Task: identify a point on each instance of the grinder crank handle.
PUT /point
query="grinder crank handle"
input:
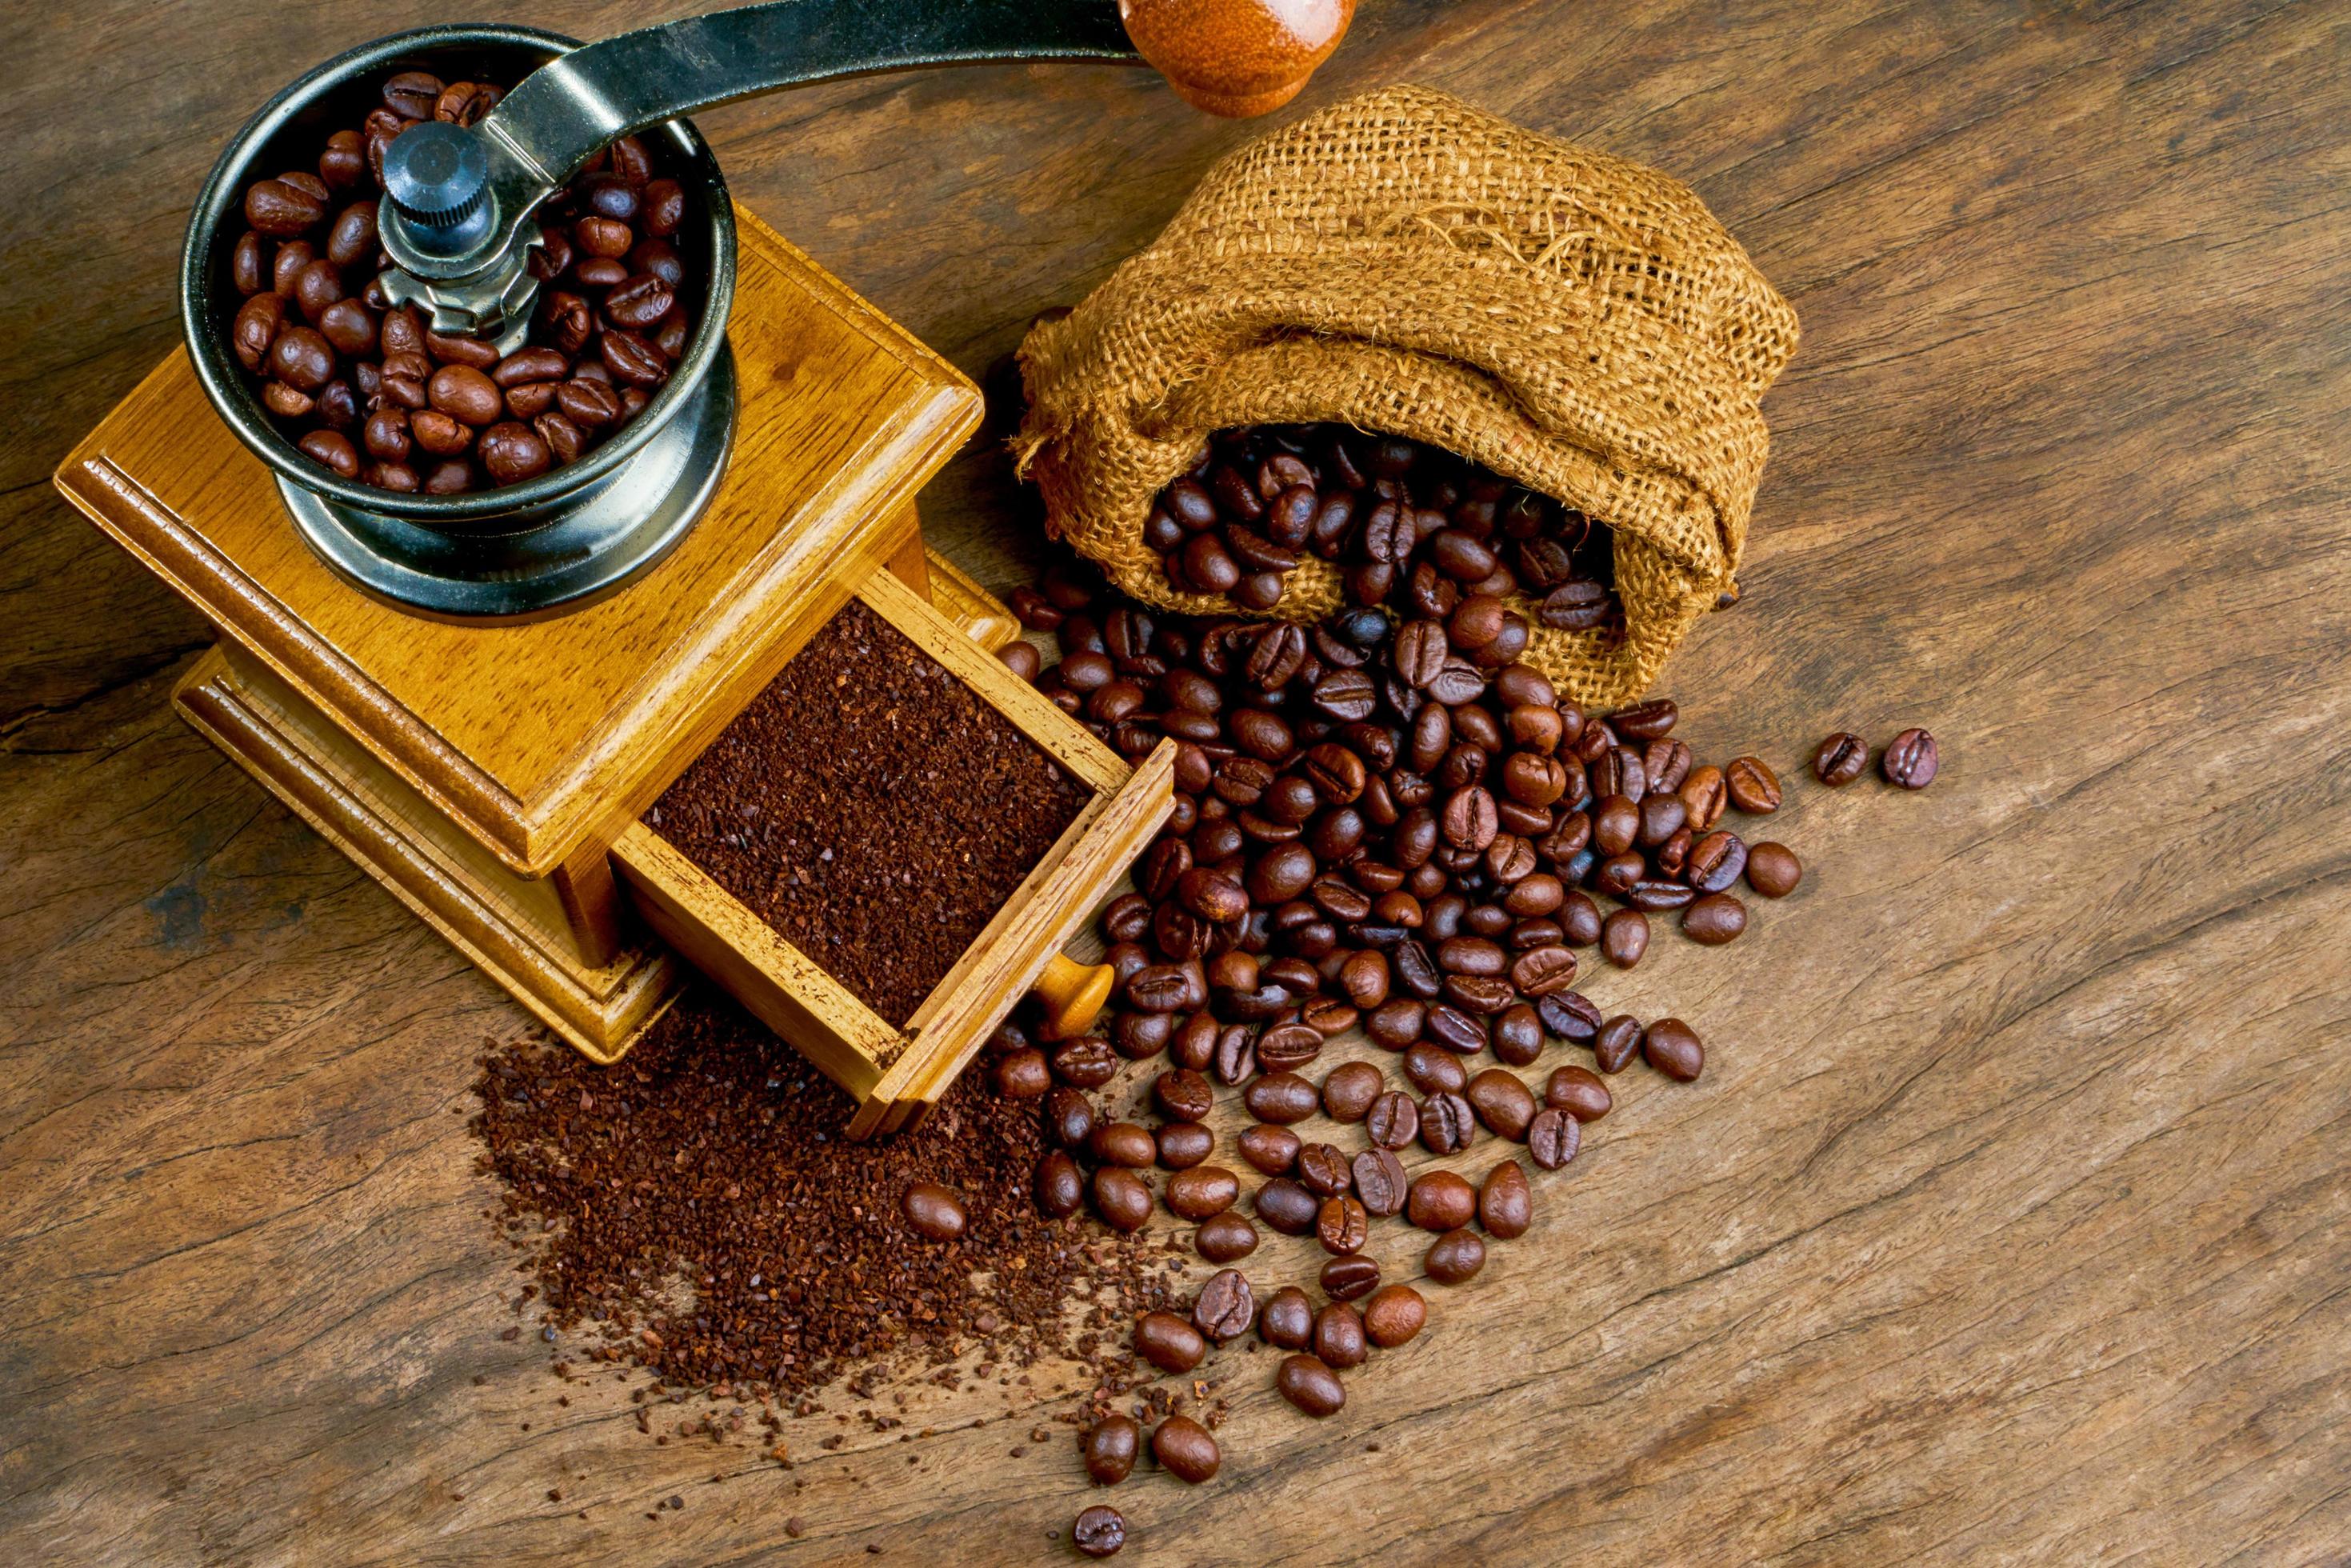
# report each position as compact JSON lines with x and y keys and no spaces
{"x":457,"y":201}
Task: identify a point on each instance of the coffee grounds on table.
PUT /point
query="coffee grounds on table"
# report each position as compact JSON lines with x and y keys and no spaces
{"x":870,"y":808}
{"x":697,"y":1207}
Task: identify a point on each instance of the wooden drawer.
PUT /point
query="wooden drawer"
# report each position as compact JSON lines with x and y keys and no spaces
{"x":893,"y":1073}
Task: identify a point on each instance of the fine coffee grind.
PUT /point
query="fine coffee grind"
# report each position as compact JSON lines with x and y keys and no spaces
{"x":872,"y":808}
{"x":697,"y":1208}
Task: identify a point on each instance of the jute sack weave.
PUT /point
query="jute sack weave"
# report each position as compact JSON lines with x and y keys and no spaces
{"x":1410,"y":265}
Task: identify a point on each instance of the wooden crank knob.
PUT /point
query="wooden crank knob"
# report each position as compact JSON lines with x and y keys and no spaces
{"x":1237,"y":58}
{"x":1073,"y":995}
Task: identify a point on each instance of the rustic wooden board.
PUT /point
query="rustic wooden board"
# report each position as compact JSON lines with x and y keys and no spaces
{"x":2010,"y":1220}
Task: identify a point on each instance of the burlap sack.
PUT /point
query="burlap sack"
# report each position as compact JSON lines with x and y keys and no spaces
{"x":1407,"y":265}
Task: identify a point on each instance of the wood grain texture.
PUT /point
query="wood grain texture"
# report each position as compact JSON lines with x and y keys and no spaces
{"x":2011,"y":1221}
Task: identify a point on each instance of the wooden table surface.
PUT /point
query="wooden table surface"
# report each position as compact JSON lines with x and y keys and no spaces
{"x":2009,"y":1222}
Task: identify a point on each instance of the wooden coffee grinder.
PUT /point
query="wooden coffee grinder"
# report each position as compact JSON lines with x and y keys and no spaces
{"x":476,"y":697}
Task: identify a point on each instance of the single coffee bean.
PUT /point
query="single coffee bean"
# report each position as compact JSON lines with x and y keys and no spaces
{"x":1517,"y":1035}
{"x":1625,"y":937}
{"x":1185,"y":1449}
{"x":936,"y":1212}
{"x":1752,"y":785}
{"x":1286,"y":1048}
{"x":1714,"y":919}
{"x":1617,"y":1041}
{"x":1502,"y":1102}
{"x":1672,"y":1047}
{"x":1202,"y":1191}
{"x":1069,"y":1117}
{"x":1287,"y":1321}
{"x":1539,"y":971}
{"x":1649,"y":720}
{"x":1447,"y":1124}
{"x":1060,"y":1187}
{"x":1184,"y":1145}
{"x":1455,"y":1258}
{"x":1226,"y":1237}
{"x":1287,"y":1207}
{"x":1703,"y":797}
{"x":1715,"y":862}
{"x":1122,"y":1197}
{"x":1433,"y":1070}
{"x":1578,"y":1091}
{"x":1571,"y":1016}
{"x":1440,"y":1200}
{"x":1773,"y":870}
{"x":1379,"y":1182}
{"x":1342,"y":1226}
{"x":1348,"y":1089}
{"x":1310,"y":1385}
{"x":1125,"y":1143}
{"x":1552,"y":1137}
{"x":1226,"y":1307}
{"x":1023,"y":1074}
{"x":1168,"y":1343}
{"x":1111,"y":1445}
{"x":1393,"y":1314}
{"x":1911,"y":759}
{"x":1579,"y":919}
{"x":1282,"y":1098}
{"x":1184,"y":1094}
{"x":1235,"y":1061}
{"x":1339,"y":1335}
{"x":1346,"y":1279}
{"x":1322,"y":1170}
{"x":1086,"y":1062}
{"x":1271,"y":1150}
{"x":1506,"y":1204}
{"x":1098,"y":1532}
{"x":1839,"y":761}
{"x":1393,"y":1121}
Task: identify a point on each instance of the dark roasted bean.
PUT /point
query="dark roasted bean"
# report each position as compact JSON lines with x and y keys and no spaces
{"x":1506,"y":1204}
{"x":1618,"y":1040}
{"x":1226,"y":1307}
{"x":1773,"y":870}
{"x":1552,"y":1137}
{"x":1455,"y":1258}
{"x":1287,"y":1320}
{"x":1840,"y":760}
{"x":1185,"y":1449}
{"x":1111,"y":1446}
{"x":1910,"y":760}
{"x":1226,"y":1237}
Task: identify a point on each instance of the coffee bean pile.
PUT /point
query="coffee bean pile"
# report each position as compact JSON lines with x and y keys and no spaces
{"x":372,"y":393}
{"x":1404,"y":520}
{"x":1371,"y":830}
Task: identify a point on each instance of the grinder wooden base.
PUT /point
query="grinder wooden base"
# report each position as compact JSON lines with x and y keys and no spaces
{"x":483,"y":773}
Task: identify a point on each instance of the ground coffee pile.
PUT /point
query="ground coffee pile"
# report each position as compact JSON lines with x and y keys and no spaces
{"x":872,"y":808}
{"x":698,"y":1203}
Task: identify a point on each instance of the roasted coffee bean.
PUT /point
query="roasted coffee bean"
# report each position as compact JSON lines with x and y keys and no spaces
{"x":1752,"y":785}
{"x":1098,"y":1532}
{"x":1552,"y":1137}
{"x":1666,"y":764}
{"x":1773,"y":870}
{"x":1911,"y":759}
{"x":1379,"y":1182}
{"x":1625,"y":937}
{"x":1539,"y":971}
{"x":1111,"y":1445}
{"x":1506,"y":1204}
{"x":1578,"y":1091}
{"x":1185,"y":1450}
{"x":1578,"y":605}
{"x":1616,"y":825}
{"x":1069,"y":1117}
{"x":1456,"y":1030}
{"x":1715,"y":862}
{"x":1656,"y":893}
{"x":1202,"y":1191}
{"x":1226,"y":1307}
{"x":1393,"y":1315}
{"x":1322,"y":1170}
{"x":1503,"y":1103}
{"x":1517,"y":1035}
{"x":1617,"y":1041}
{"x":1339,"y":1336}
{"x":1060,"y":1187}
{"x":1703,"y":797}
{"x":1184,"y":1094}
{"x":1349,"y":1089}
{"x":1124,"y":1144}
{"x":1310,"y":1385}
{"x":1139,"y":1037}
{"x":1839,"y":761}
{"x":1432,"y":1069}
{"x":1122,"y":1197}
{"x":512,"y":453}
{"x":1714,"y":919}
{"x":1226,"y":1237}
{"x":1287,"y":1207}
{"x":1286,"y":1048}
{"x":1662,"y":817}
{"x":1168,"y":1343}
{"x":1570,"y":1016}
{"x":1579,"y":919}
{"x":1440,"y":1200}
{"x":936,"y":1213}
{"x":1184,"y":1145}
{"x":1672,"y":1047}
{"x":1283,"y":1098}
{"x":1287,"y":1321}
{"x":1023,"y":1074}
{"x":1455,"y":1258}
{"x":1271,"y":1150}
{"x":1447,"y":1124}
{"x":1648,"y":720}
{"x":1342,"y":1225}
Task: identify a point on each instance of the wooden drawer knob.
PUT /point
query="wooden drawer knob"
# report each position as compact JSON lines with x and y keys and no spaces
{"x":1237,"y":58}
{"x":1073,"y":995}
